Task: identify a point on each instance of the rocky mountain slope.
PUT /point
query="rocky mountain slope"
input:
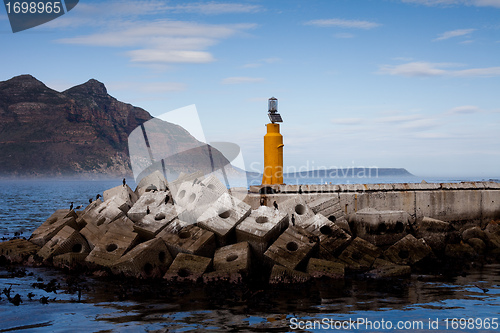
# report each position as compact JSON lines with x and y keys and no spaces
{"x":82,"y":131}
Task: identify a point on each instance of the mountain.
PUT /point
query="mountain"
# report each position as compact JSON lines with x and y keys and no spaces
{"x":82,"y":131}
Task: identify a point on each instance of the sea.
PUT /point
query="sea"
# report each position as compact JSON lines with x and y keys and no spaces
{"x":467,"y":300}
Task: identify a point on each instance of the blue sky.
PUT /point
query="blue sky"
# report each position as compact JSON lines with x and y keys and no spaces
{"x":387,"y":83}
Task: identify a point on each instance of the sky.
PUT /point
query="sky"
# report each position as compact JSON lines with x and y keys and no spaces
{"x":376,"y":83}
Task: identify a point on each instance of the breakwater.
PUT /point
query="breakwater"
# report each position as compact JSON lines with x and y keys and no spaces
{"x":196,"y":230}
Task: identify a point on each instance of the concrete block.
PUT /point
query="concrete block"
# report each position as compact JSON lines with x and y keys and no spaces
{"x":284,"y":275}
{"x":223,"y":276}
{"x":54,"y":224}
{"x":191,"y":239}
{"x":194,"y":199}
{"x":80,"y":221}
{"x":153,"y":200}
{"x":111,"y":246}
{"x":262,"y":227}
{"x":105,"y":213}
{"x":451,"y":205}
{"x":380,"y":227}
{"x":18,"y":250}
{"x":213,"y":183}
{"x":352,"y":188}
{"x":474,"y":232}
{"x":332,"y":238}
{"x":151,"y":224}
{"x":223,"y":216}
{"x":492,"y":231}
{"x":478,"y":245}
{"x":154,"y":180}
{"x":233,"y":258}
{"x":123,"y":192}
{"x":323,"y":268}
{"x":292,"y":249}
{"x":360,"y":255}
{"x":70,"y":260}
{"x":383,"y":269}
{"x":329,"y":206}
{"x":324,"y":188}
{"x":188,"y":267}
{"x":435,"y":232}
{"x":66,"y":240}
{"x":173,"y":227}
{"x":490,"y":204}
{"x":408,"y":251}
{"x":147,"y":260}
{"x":460,"y":251}
{"x":297,"y":207}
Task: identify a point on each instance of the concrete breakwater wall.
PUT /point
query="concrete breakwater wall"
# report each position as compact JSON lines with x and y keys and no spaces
{"x":451,"y":202}
{"x":195,"y":229}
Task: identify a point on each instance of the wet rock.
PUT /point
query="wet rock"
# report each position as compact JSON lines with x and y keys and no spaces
{"x":383,"y":269}
{"x":492,"y":231}
{"x":54,"y":224}
{"x":223,"y":276}
{"x":223,"y":216}
{"x":460,"y":251}
{"x":191,"y":239}
{"x":408,"y":250}
{"x":324,"y":268}
{"x":478,"y":245}
{"x":360,"y":255}
{"x":474,"y":232}
{"x":283,"y":275}
{"x":150,"y":259}
{"x":70,"y":260}
{"x":188,"y":267}
{"x":18,"y":250}
{"x":436,"y":233}
{"x":262,"y":227}
{"x":293,"y":248}
{"x":65,"y":241}
{"x":332,"y":238}
{"x":380,"y":227}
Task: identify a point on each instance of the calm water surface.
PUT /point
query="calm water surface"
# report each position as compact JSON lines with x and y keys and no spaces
{"x":129,"y":306}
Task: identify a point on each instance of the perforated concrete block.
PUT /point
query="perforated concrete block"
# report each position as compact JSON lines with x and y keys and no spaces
{"x":187,"y":267}
{"x":80,"y":221}
{"x":213,"y":183}
{"x":123,"y":192}
{"x":111,"y":246}
{"x":194,"y":201}
{"x":151,"y":224}
{"x":360,"y":255}
{"x":152,"y":200}
{"x":105,"y":213}
{"x":332,"y":238}
{"x":191,"y":239}
{"x":380,"y":227}
{"x":324,"y":268}
{"x":262,"y":227}
{"x":223,"y":216}
{"x":155,"y":180}
{"x":17,"y":250}
{"x":95,"y":230}
{"x":233,"y":258}
{"x":57,"y":221}
{"x":174,"y":227}
{"x":69,"y":260}
{"x":408,"y":250}
{"x":293,"y":248}
{"x":297,"y":207}
{"x":329,"y":206}
{"x":383,"y":269}
{"x":65,"y":241}
{"x":150,"y":259}
{"x":284,"y":275}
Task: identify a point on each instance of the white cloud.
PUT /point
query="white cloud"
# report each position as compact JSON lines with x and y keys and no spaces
{"x":465,"y":109}
{"x":356,"y":24}
{"x":166,"y":56}
{"x":427,"y":69}
{"x":213,"y":8}
{"x":454,"y":33}
{"x":149,"y":87}
{"x":241,"y":79}
{"x":477,"y":3}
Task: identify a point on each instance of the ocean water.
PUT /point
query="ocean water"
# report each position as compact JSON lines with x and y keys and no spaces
{"x":428,"y":303}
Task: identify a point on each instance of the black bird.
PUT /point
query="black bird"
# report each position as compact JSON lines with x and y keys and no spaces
{"x":124,"y":182}
{"x":16,"y":300}
{"x":262,"y":202}
{"x":147,"y":210}
{"x":31,"y":295}
{"x":71,"y":206}
{"x":293,"y":219}
{"x":90,"y":200}
{"x":275,"y":205}
{"x":44,"y":300}
{"x":97,"y":196}
{"x":300,"y":189}
{"x":167,"y":198}
{"x":79,"y":207}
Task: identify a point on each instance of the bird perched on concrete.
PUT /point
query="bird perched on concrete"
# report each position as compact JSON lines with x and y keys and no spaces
{"x":147,"y":210}
{"x":275,"y":205}
{"x":79,"y":207}
{"x":293,"y":219}
{"x":124,"y":182}
{"x":97,"y":196}
{"x":90,"y":200}
{"x":71,"y":206}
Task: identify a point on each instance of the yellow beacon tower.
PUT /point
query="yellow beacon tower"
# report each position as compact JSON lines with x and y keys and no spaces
{"x":273,"y":147}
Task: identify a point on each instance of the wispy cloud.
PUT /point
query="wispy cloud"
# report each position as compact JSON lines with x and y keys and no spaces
{"x":214,"y":8}
{"x":427,"y":69}
{"x":342,"y":23}
{"x":454,"y":33}
{"x":464,"y":109}
{"x":241,"y":79}
{"x":476,"y":3}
